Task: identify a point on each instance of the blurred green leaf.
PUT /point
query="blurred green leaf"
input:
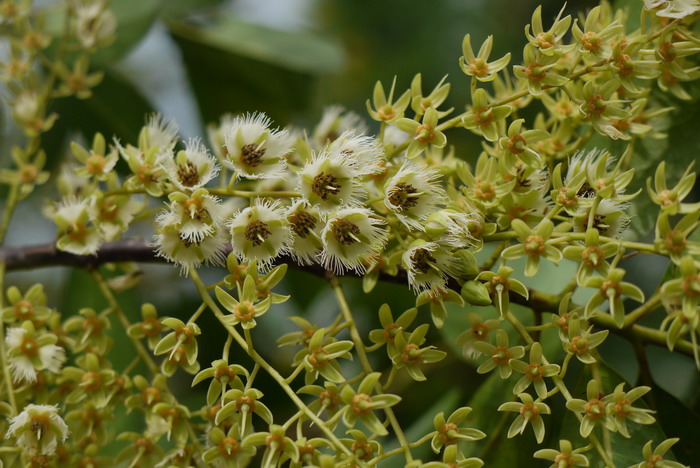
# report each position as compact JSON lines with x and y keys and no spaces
{"x":677,"y":420}
{"x":134,"y":19}
{"x":238,"y":67}
{"x":625,"y":452}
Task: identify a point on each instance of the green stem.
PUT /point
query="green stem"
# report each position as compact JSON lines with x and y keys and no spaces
{"x":365,"y":364}
{"x":260,"y":362}
{"x":3,"y":356}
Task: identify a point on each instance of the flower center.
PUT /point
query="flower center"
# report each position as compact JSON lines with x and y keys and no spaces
{"x":425,"y":133}
{"x":611,"y":285}
{"x":362,"y":449}
{"x":516,"y":144}
{"x":345,"y":232}
{"x":422,"y":260}
{"x":28,"y":173}
{"x":146,"y":174}
{"x":257,"y":232}
{"x":595,"y":409}
{"x":534,"y":246}
{"x":411,"y":354}
{"x":530,"y":412}
{"x":448,"y":433}
{"x":360,"y":404}
{"x":596,"y":104}
{"x":591,"y":41}
{"x":545,"y":40}
{"x":485,"y":191}
{"x":325,"y":185}
{"x":578,"y":345}
{"x":593,"y":257}
{"x":188,"y":174}
{"x":29,"y":346}
{"x":534,"y":371}
{"x":24,"y":310}
{"x":535,"y":72}
{"x":251,"y":155}
{"x":403,"y":196}
{"x":390,"y":332}
{"x":479,"y":67}
{"x":318,"y":357}
{"x":244,"y":311}
{"x":675,"y":241}
{"x":302,"y":223}
{"x":501,"y":355}
{"x":95,"y":164}
{"x":228,"y":447}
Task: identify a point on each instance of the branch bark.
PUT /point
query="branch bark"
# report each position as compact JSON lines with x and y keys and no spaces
{"x":136,"y":250}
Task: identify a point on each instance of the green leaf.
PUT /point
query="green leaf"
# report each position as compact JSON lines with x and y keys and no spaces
{"x":625,"y":452}
{"x":239,"y":67}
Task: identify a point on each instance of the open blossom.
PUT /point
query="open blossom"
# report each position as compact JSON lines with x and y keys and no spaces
{"x":182,"y":247}
{"x":95,"y":24}
{"x":29,"y":352}
{"x":158,"y":133}
{"x":192,"y":167}
{"x":260,"y":232}
{"x":350,"y":236}
{"x":427,"y":265}
{"x":253,"y":150}
{"x":196,"y":215}
{"x":113,"y":213}
{"x":306,"y":225}
{"x":413,"y":193}
{"x":363,"y":150}
{"x":76,"y":234}
{"x":331,"y":181}
{"x":38,"y":428}
{"x":334,"y":122}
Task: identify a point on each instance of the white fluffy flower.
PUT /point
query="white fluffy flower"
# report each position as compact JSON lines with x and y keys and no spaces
{"x":196,"y":215}
{"x":94,"y":23}
{"x":192,"y":167}
{"x":673,"y":8}
{"x":253,"y":150}
{"x":190,"y":248}
{"x":450,"y":227}
{"x":29,"y":353}
{"x":333,"y":123}
{"x":260,"y":232}
{"x":75,"y":232}
{"x":350,"y":237}
{"x":330,"y":182}
{"x":413,"y":193}
{"x":364,"y":151}
{"x":427,"y":265}
{"x":159,"y":132}
{"x":37,"y":429}
{"x":609,"y":219}
{"x":306,"y":225}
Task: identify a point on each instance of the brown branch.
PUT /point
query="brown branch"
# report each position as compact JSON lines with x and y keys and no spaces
{"x":135,"y":250}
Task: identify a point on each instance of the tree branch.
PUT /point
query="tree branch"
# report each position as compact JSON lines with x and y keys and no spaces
{"x":136,"y":250}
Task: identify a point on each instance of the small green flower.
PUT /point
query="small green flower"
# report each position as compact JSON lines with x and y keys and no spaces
{"x":565,"y":193}
{"x":449,"y":432}
{"x":580,"y":343}
{"x":362,"y":448}
{"x":596,"y":34}
{"x":142,"y":448}
{"x":484,"y":187}
{"x":671,"y":200}
{"x":410,"y":355}
{"x":655,"y":458}
{"x":452,"y":457}
{"x":611,"y":288}
{"x":149,"y":327}
{"x":437,"y":299}
{"x":309,"y":454}
{"x":534,"y":371}
{"x":320,"y":357}
{"x":687,"y":286}
{"x":93,"y":378}
{"x":92,"y":328}
{"x":87,"y":422}
{"x":180,"y":340}
{"x":387,"y":110}
{"x":539,"y":71}
{"x":478,"y":65}
{"x":517,"y":145}
{"x":548,"y":42}
{"x":499,"y":284}
{"x":420,"y":103}
{"x":486,"y":118}
{"x":276,"y":443}
{"x":298,"y":337}
{"x":247,"y":309}
{"x":30,"y":306}
{"x":620,"y":409}
{"x":361,"y":405}
{"x":391,"y":328}
{"x":245,"y":403}
{"x":673,"y":242}
{"x":499,"y":355}
{"x":222,"y":374}
{"x":592,"y":256}
{"x":227,"y":449}
{"x":534,"y":243}
{"x":565,"y":457}
{"x":530,"y":411}
{"x":173,"y":418}
{"x":425,"y":133}
{"x":149,"y":393}
{"x":479,"y":332}
{"x":593,"y":409}
{"x":599,"y":108}
{"x":327,"y":399}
